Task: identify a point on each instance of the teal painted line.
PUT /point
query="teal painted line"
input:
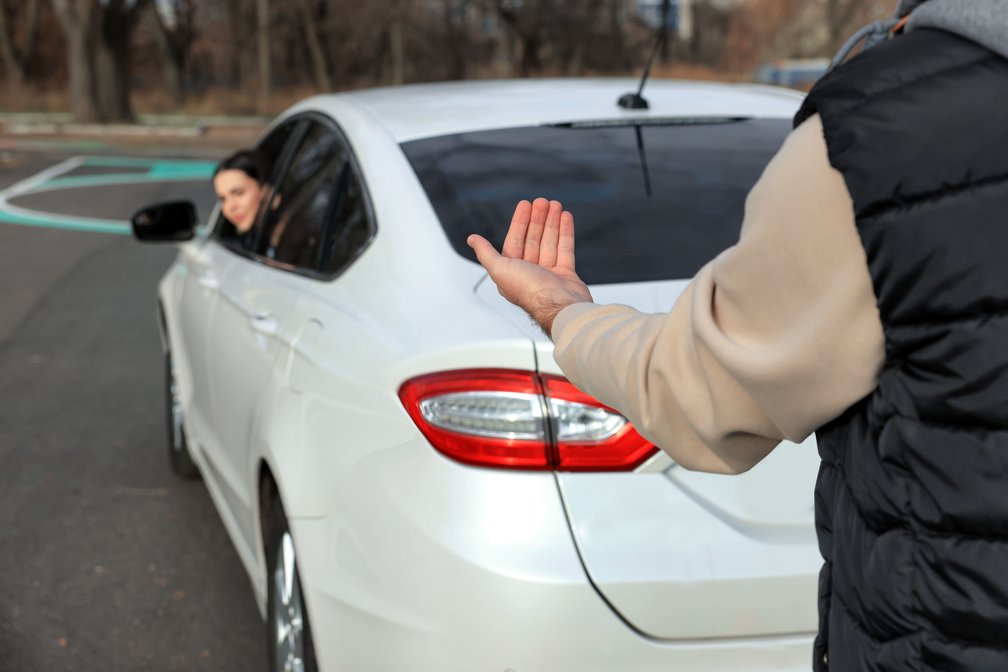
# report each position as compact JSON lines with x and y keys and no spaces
{"x":158,"y":170}
{"x":171,"y":169}
{"x":55,"y":222}
{"x":116,"y":179}
{"x":61,"y":145}
{"x":119,"y":161}
{"x":153,"y":164}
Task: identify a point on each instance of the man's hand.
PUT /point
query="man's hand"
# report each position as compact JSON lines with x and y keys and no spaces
{"x":536,"y":268}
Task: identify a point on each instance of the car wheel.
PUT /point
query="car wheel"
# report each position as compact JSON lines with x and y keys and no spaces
{"x":288,"y":634}
{"x":178,"y":451}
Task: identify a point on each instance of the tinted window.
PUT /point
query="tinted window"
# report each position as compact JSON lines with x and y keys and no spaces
{"x":351,"y":229}
{"x":650,"y":202}
{"x":300,"y":208}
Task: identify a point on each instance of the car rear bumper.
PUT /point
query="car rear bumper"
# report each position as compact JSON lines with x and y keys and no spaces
{"x":455,"y":568}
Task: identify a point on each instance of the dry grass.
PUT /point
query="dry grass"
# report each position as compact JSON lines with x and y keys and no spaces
{"x":32,"y":99}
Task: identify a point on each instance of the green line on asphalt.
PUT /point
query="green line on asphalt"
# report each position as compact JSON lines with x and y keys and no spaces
{"x":153,"y":164}
{"x":108,"y":180}
{"x":60,"y":145}
{"x":158,"y":170}
{"x":55,"y":222}
{"x":118,"y":161}
{"x":191,"y":169}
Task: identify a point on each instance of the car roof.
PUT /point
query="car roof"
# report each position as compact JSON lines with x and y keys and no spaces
{"x":425,"y":110}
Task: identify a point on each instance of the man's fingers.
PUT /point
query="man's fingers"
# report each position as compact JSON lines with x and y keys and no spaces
{"x":565,"y":243}
{"x":514,"y":243}
{"x":533,"y":236}
{"x":551,"y":234}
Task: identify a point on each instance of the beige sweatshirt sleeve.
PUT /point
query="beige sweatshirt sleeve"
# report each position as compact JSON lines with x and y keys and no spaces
{"x":776,"y":336}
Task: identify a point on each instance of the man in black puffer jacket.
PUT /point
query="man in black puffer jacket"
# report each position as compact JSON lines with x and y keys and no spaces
{"x":912,"y":498}
{"x":867,"y":299}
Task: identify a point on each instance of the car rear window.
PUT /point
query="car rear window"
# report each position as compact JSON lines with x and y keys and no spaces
{"x":650,"y":202}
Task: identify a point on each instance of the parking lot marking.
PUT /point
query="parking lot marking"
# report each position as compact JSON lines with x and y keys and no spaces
{"x":10,"y":214}
{"x":52,"y":179}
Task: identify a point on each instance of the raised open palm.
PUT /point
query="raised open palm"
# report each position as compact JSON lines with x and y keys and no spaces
{"x":535,"y":269}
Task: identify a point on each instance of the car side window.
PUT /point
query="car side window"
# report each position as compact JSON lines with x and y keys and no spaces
{"x":301,"y":207}
{"x":351,"y":227}
{"x":272,"y":148}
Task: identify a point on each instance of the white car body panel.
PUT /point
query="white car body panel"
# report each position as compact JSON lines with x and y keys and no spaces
{"x":752,"y":558}
{"x":697,"y":570}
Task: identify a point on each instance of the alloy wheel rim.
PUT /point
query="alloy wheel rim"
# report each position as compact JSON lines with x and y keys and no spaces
{"x":288,"y":612}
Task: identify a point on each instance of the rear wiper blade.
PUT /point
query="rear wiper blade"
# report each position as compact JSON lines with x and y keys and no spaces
{"x":646,"y":121}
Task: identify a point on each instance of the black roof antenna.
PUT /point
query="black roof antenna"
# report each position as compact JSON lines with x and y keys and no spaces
{"x":634,"y":101}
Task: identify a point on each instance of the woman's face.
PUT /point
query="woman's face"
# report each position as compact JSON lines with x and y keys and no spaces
{"x":239,"y":197}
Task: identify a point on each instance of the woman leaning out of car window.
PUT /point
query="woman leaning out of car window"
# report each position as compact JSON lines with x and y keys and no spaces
{"x":240,"y":184}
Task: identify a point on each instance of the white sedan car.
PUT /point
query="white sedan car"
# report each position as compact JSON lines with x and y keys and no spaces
{"x":408,"y":479}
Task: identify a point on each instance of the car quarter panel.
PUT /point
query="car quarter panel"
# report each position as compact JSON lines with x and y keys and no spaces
{"x":332,"y":400}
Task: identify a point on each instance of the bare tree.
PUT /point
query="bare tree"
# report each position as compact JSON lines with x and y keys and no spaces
{"x":843,"y":17}
{"x":309,"y":19}
{"x":451,"y":38}
{"x":525,"y":23}
{"x":263,"y":50}
{"x":397,"y":52}
{"x":457,"y":34}
{"x":173,"y":24}
{"x":98,"y":59}
{"x":79,"y":20}
{"x":16,"y":60}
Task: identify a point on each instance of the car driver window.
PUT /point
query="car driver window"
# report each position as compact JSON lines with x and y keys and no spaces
{"x":301,"y":207}
{"x":351,"y":226}
{"x":242,"y":183}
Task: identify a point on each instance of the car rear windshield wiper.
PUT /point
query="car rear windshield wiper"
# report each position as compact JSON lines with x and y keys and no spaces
{"x":646,"y":121}
{"x":636,"y":124}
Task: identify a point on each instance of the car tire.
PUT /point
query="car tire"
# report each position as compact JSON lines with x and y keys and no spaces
{"x":288,"y":633}
{"x":178,"y":450}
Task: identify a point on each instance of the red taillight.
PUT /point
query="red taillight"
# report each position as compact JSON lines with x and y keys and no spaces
{"x":519,"y":420}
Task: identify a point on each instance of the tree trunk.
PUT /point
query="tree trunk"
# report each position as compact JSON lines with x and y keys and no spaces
{"x":263,"y":46}
{"x":16,"y":60}
{"x":173,"y":56}
{"x":79,"y":21}
{"x":319,"y":69}
{"x":838,"y":18}
{"x":98,"y":43}
{"x":236,"y":50}
{"x":31,"y":34}
{"x":455,"y":31}
{"x":10,"y":60}
{"x":112,"y":73}
{"x":396,"y":50}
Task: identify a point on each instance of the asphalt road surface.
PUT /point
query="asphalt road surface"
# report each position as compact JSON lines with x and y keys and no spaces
{"x":107,"y":562}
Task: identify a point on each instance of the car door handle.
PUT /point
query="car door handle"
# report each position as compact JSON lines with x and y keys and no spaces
{"x":207,"y":280}
{"x":264,"y":323}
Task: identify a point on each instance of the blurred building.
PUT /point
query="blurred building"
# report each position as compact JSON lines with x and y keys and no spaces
{"x":679,"y":20}
{"x":794,"y":73}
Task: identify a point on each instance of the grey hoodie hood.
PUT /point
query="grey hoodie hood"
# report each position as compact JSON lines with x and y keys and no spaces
{"x":983,"y":21}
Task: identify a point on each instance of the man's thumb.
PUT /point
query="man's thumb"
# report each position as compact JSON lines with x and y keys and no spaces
{"x":485,"y":252}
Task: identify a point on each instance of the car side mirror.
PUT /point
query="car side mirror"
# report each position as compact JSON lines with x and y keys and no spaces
{"x":165,"y":222}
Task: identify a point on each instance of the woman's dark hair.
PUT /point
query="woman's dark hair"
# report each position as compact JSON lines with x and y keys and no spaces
{"x":252,"y":162}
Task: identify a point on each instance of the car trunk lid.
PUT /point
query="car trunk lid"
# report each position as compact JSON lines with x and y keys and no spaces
{"x":682,"y":555}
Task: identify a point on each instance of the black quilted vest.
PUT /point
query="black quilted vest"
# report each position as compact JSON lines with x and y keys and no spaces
{"x":912,"y":495}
